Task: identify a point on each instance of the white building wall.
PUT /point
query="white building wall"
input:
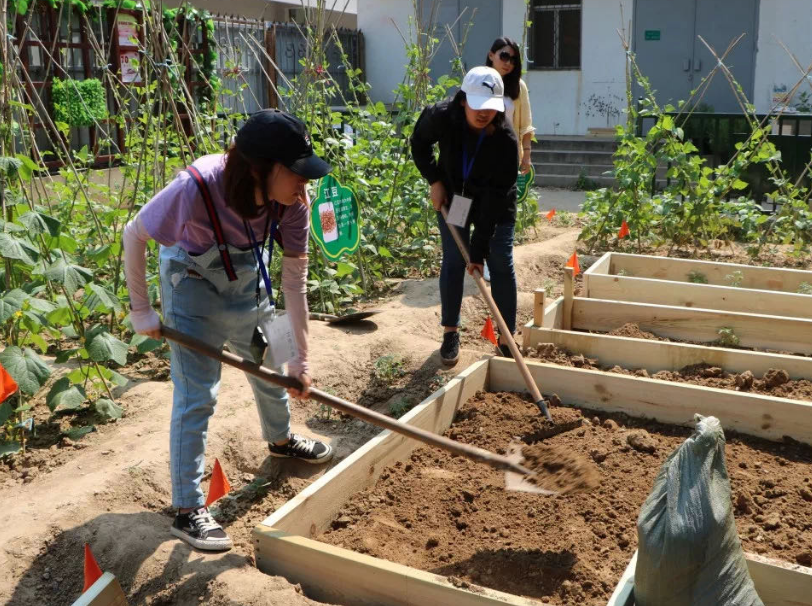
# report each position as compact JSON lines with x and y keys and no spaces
{"x":788,"y":21}
{"x":385,"y":50}
{"x":560,"y":99}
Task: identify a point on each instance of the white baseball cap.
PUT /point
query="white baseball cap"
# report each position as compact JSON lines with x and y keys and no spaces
{"x":484,"y":89}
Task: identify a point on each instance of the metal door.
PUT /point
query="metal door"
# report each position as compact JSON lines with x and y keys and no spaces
{"x":485,"y":17}
{"x":720,"y":22}
{"x":664,"y":46}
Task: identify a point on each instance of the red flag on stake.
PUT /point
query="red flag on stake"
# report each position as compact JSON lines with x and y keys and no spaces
{"x":488,"y":333}
{"x":549,"y":216}
{"x":573,"y":262}
{"x":92,"y":571}
{"x":219,"y":485}
{"x":624,"y":230}
{"x":8,"y":386}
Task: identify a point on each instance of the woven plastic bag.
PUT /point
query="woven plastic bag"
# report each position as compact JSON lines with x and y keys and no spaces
{"x":689,"y":553}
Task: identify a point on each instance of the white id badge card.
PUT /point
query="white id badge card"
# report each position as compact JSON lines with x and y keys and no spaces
{"x":460,"y":207}
{"x":281,"y":342}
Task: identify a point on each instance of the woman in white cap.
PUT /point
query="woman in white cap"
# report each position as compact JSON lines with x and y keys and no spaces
{"x":477,"y":162}
{"x":214,"y":221}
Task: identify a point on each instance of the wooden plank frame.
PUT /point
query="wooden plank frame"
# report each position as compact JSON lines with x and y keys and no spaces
{"x":284,"y":543}
{"x":777,"y":583}
{"x":106,"y":591}
{"x":664,"y":281}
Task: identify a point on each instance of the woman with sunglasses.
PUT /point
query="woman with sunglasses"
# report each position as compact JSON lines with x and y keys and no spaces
{"x":505,"y":58}
{"x":476,"y":167}
{"x":213,"y":222}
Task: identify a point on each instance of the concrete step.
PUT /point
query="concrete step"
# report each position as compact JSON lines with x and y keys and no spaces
{"x":603,"y":158}
{"x":591,"y":170}
{"x":571,"y":181}
{"x":552,"y":143}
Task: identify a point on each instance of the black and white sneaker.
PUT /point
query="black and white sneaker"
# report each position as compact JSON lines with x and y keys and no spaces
{"x":199,"y":529}
{"x":450,"y":349}
{"x":306,"y":449}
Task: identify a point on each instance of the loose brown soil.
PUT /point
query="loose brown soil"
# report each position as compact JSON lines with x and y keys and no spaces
{"x":559,"y":469}
{"x":447,"y":515}
{"x":775,"y":382}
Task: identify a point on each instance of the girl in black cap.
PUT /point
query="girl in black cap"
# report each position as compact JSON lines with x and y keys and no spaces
{"x":217,"y":223}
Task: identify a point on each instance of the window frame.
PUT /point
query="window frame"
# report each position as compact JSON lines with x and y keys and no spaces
{"x":555,"y":9}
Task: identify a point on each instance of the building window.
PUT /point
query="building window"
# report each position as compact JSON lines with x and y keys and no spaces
{"x":555,"y":41}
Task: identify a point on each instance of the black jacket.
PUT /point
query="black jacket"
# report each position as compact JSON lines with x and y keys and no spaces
{"x":492,"y":183}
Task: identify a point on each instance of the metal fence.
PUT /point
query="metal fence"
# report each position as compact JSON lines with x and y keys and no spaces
{"x":241,"y":64}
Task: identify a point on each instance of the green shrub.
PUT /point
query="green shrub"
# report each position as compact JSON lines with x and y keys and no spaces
{"x":79,"y":102}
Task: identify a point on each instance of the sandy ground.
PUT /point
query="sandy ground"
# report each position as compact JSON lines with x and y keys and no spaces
{"x":112,"y":489}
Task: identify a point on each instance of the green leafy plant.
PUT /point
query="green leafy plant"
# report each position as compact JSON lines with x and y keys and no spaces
{"x":735,"y":279}
{"x":727,"y":338}
{"x":697,"y":277}
{"x":565,"y":219}
{"x":79,"y":102}
{"x":399,"y":407}
{"x":388,"y":368}
{"x":584,"y":183}
{"x":549,"y":287}
{"x":805,"y":288}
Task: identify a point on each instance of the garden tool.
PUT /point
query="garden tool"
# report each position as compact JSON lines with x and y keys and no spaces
{"x":346,"y":318}
{"x":500,"y":321}
{"x":521,"y":478}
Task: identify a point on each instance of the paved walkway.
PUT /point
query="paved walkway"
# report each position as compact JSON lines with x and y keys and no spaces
{"x":560,"y":199}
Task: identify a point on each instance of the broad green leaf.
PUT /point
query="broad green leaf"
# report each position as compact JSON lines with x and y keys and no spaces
{"x":39,"y":223}
{"x":384,"y":252}
{"x":101,"y":299}
{"x":77,"y":433}
{"x":14,"y":248}
{"x":6,"y":410}
{"x":108,"y":409}
{"x":25,"y":367}
{"x":65,"y":355}
{"x":63,"y":242}
{"x":41,"y":305}
{"x":739,"y":184}
{"x":28,"y":166}
{"x":60,"y":317}
{"x":64,"y":395}
{"x":37,"y":340}
{"x":72,"y":277}
{"x":102,"y":346}
{"x":99,"y":255}
{"x":145,"y":344}
{"x":9,"y":448}
{"x":9,"y":166}
{"x":344,"y":269}
{"x":11,"y":302}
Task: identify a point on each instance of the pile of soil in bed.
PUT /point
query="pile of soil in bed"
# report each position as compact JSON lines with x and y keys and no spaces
{"x":453,"y":517}
{"x":775,"y":382}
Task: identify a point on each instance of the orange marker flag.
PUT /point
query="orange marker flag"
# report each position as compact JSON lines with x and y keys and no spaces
{"x":624,"y":230}
{"x":573,"y":262}
{"x":8,"y":386}
{"x":487,"y":331}
{"x":549,"y":216}
{"x":219,"y":485}
{"x":92,"y":571}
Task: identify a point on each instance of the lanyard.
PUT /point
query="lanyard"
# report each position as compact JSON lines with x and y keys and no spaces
{"x":258,"y":253}
{"x":467,"y":166}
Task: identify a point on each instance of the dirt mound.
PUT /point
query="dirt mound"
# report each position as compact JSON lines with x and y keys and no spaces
{"x":559,"y":469}
{"x":633,"y":331}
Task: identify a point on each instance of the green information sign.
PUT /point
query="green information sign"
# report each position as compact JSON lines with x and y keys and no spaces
{"x":524,"y":183}
{"x":652,"y":34}
{"x":334,"y":218}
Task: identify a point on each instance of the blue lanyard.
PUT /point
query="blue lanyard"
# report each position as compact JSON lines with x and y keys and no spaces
{"x":467,"y":166}
{"x":258,"y":253}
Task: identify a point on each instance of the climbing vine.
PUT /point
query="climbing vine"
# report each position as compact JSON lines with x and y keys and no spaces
{"x":79,"y":102}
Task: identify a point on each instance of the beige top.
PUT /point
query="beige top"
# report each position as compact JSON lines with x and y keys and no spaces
{"x":522,"y":114}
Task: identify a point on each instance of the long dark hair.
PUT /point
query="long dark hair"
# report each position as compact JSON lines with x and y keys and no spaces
{"x":240,"y":176}
{"x":499,"y":121}
{"x":512,"y":79}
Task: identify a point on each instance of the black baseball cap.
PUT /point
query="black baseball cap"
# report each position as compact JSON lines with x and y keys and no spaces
{"x":271,"y":134}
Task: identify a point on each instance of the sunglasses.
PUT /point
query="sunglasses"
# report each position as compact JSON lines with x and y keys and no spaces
{"x":508,"y":58}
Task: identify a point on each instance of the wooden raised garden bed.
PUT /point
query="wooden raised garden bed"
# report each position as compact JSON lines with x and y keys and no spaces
{"x":700,"y":284}
{"x":285,"y":544}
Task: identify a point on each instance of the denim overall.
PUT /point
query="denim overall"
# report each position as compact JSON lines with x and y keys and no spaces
{"x":199,"y":299}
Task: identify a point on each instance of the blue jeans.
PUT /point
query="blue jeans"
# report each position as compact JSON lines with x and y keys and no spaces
{"x":205,"y":305}
{"x":500,"y":264}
